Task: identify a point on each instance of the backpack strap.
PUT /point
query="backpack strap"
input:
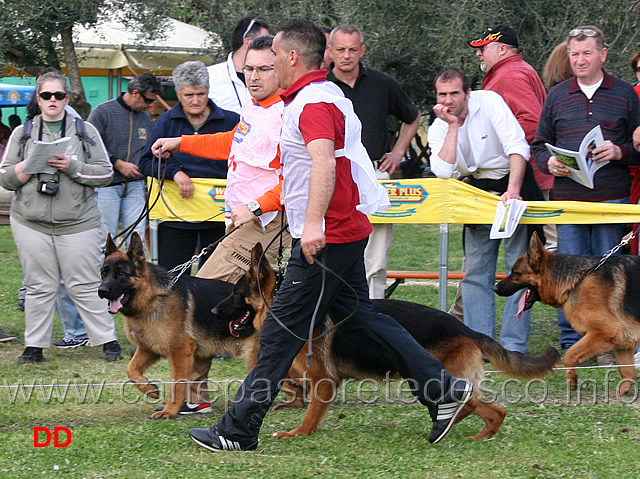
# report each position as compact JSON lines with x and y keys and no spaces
{"x":81,"y":131}
{"x":26,"y":135}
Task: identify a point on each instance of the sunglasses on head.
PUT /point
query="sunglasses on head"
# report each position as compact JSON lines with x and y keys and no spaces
{"x":587,"y":32}
{"x":46,"y":95}
{"x":246,"y":32}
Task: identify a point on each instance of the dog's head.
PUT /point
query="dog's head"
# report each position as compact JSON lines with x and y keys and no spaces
{"x":527,"y":272}
{"x":245,"y":307}
{"x":120,"y":273}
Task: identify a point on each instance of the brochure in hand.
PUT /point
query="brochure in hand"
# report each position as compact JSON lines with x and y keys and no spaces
{"x":580,"y":164}
{"x":43,"y":151}
{"x":507,"y":218}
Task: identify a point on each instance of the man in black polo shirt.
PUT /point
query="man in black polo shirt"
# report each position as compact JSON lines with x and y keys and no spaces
{"x":375,"y":96}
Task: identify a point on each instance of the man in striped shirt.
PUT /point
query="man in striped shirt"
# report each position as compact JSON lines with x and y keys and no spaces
{"x":591,"y":97}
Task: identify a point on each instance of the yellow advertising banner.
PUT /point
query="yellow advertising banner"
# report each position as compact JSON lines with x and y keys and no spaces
{"x":420,"y":200}
{"x":206,"y":204}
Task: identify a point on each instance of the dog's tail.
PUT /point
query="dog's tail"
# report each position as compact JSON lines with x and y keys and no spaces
{"x":515,"y":364}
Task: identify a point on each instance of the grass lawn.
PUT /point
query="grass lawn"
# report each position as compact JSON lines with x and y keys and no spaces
{"x":549,"y":432}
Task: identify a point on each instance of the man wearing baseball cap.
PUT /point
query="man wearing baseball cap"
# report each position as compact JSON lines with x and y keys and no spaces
{"x":519,"y":84}
{"x":510,"y":76}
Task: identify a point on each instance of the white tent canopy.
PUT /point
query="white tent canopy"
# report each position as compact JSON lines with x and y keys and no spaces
{"x":110,"y":45}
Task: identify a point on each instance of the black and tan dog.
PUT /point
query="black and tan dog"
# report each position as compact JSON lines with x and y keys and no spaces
{"x":602,"y":304}
{"x":336,"y":357}
{"x":166,"y":321}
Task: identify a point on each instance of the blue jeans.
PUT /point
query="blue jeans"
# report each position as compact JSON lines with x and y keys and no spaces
{"x":69,"y":316}
{"x":115,"y":208}
{"x":593,"y":240}
{"x":478,"y":298}
{"x":366,"y":330}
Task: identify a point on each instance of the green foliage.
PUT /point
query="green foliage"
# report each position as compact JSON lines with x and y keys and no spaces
{"x":30,"y":31}
{"x":413,"y":39}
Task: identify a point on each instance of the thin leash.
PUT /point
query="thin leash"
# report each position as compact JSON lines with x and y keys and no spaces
{"x":309,"y":340}
{"x":162,"y":197}
{"x":181,"y":268}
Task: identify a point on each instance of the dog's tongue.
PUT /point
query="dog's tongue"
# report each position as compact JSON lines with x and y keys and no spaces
{"x":115,"y":305}
{"x":522,"y":303}
{"x":232,"y":328}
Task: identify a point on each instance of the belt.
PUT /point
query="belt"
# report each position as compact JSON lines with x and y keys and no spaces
{"x":122,"y":182}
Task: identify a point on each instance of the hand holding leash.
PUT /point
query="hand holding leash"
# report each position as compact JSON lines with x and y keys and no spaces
{"x":165,"y":146}
{"x":312,"y":241}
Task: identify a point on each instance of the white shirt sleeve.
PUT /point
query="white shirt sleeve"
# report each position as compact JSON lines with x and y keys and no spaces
{"x":435,"y":136}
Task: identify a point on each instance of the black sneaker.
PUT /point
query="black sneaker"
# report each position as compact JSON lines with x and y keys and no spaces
{"x":31,"y":355}
{"x":112,"y":351}
{"x":445,"y":413}
{"x":191,"y":408}
{"x":209,"y":438}
{"x":71,"y":343}
{"x":4,"y":336}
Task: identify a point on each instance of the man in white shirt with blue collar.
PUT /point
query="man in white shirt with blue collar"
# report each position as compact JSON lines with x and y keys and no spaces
{"x":227,"y":86}
{"x":476,"y":134}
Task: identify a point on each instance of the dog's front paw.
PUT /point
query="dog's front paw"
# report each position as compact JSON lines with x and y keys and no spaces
{"x":149,"y":389}
{"x":164,"y":414}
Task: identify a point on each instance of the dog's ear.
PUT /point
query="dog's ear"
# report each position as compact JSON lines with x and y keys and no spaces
{"x":110,"y":246}
{"x":136,"y":251}
{"x":256,"y":254}
{"x":261,"y":269}
{"x":537,"y":253}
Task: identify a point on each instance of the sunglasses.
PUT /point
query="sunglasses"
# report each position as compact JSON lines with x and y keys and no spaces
{"x":46,"y":95}
{"x":485,"y":46}
{"x":587,"y":32}
{"x":147,"y":100}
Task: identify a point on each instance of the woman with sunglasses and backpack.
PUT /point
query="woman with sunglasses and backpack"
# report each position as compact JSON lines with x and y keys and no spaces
{"x":54,"y":218}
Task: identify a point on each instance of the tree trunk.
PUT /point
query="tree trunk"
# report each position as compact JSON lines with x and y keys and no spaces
{"x":78,"y":98}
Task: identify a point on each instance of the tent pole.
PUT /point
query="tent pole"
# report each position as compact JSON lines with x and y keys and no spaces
{"x":119,"y":82}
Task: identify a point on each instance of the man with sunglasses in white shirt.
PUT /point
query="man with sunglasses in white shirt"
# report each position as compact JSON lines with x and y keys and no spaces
{"x":227,"y":86}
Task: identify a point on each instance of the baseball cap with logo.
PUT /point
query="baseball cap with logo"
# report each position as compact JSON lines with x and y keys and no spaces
{"x":497,"y":33}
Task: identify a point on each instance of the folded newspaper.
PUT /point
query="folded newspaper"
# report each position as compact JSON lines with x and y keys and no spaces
{"x":581,"y":167}
{"x":43,"y":151}
{"x":507,"y":218}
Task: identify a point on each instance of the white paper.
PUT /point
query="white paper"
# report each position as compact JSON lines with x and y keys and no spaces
{"x":507,"y":218}
{"x":42,"y":151}
{"x":581,"y":167}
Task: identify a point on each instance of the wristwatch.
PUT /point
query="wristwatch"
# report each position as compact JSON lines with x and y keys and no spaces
{"x":254,"y":207}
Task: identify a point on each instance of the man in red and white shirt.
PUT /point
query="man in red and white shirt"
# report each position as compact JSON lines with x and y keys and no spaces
{"x":329,"y":187}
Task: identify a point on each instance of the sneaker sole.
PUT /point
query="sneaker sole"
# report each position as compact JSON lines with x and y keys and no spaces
{"x":199,"y":411}
{"x":9,"y":338}
{"x":206,"y":446}
{"x":73,"y":346}
{"x":460,"y":407}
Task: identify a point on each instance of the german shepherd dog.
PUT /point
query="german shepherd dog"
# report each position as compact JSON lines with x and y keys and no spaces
{"x":335,"y":358}
{"x":602,"y":304}
{"x":165,"y":321}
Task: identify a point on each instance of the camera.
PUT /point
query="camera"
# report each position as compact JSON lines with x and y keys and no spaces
{"x":48,"y":187}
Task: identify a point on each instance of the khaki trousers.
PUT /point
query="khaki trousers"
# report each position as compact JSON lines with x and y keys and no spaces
{"x":229,"y":261}
{"x":77,"y":259}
